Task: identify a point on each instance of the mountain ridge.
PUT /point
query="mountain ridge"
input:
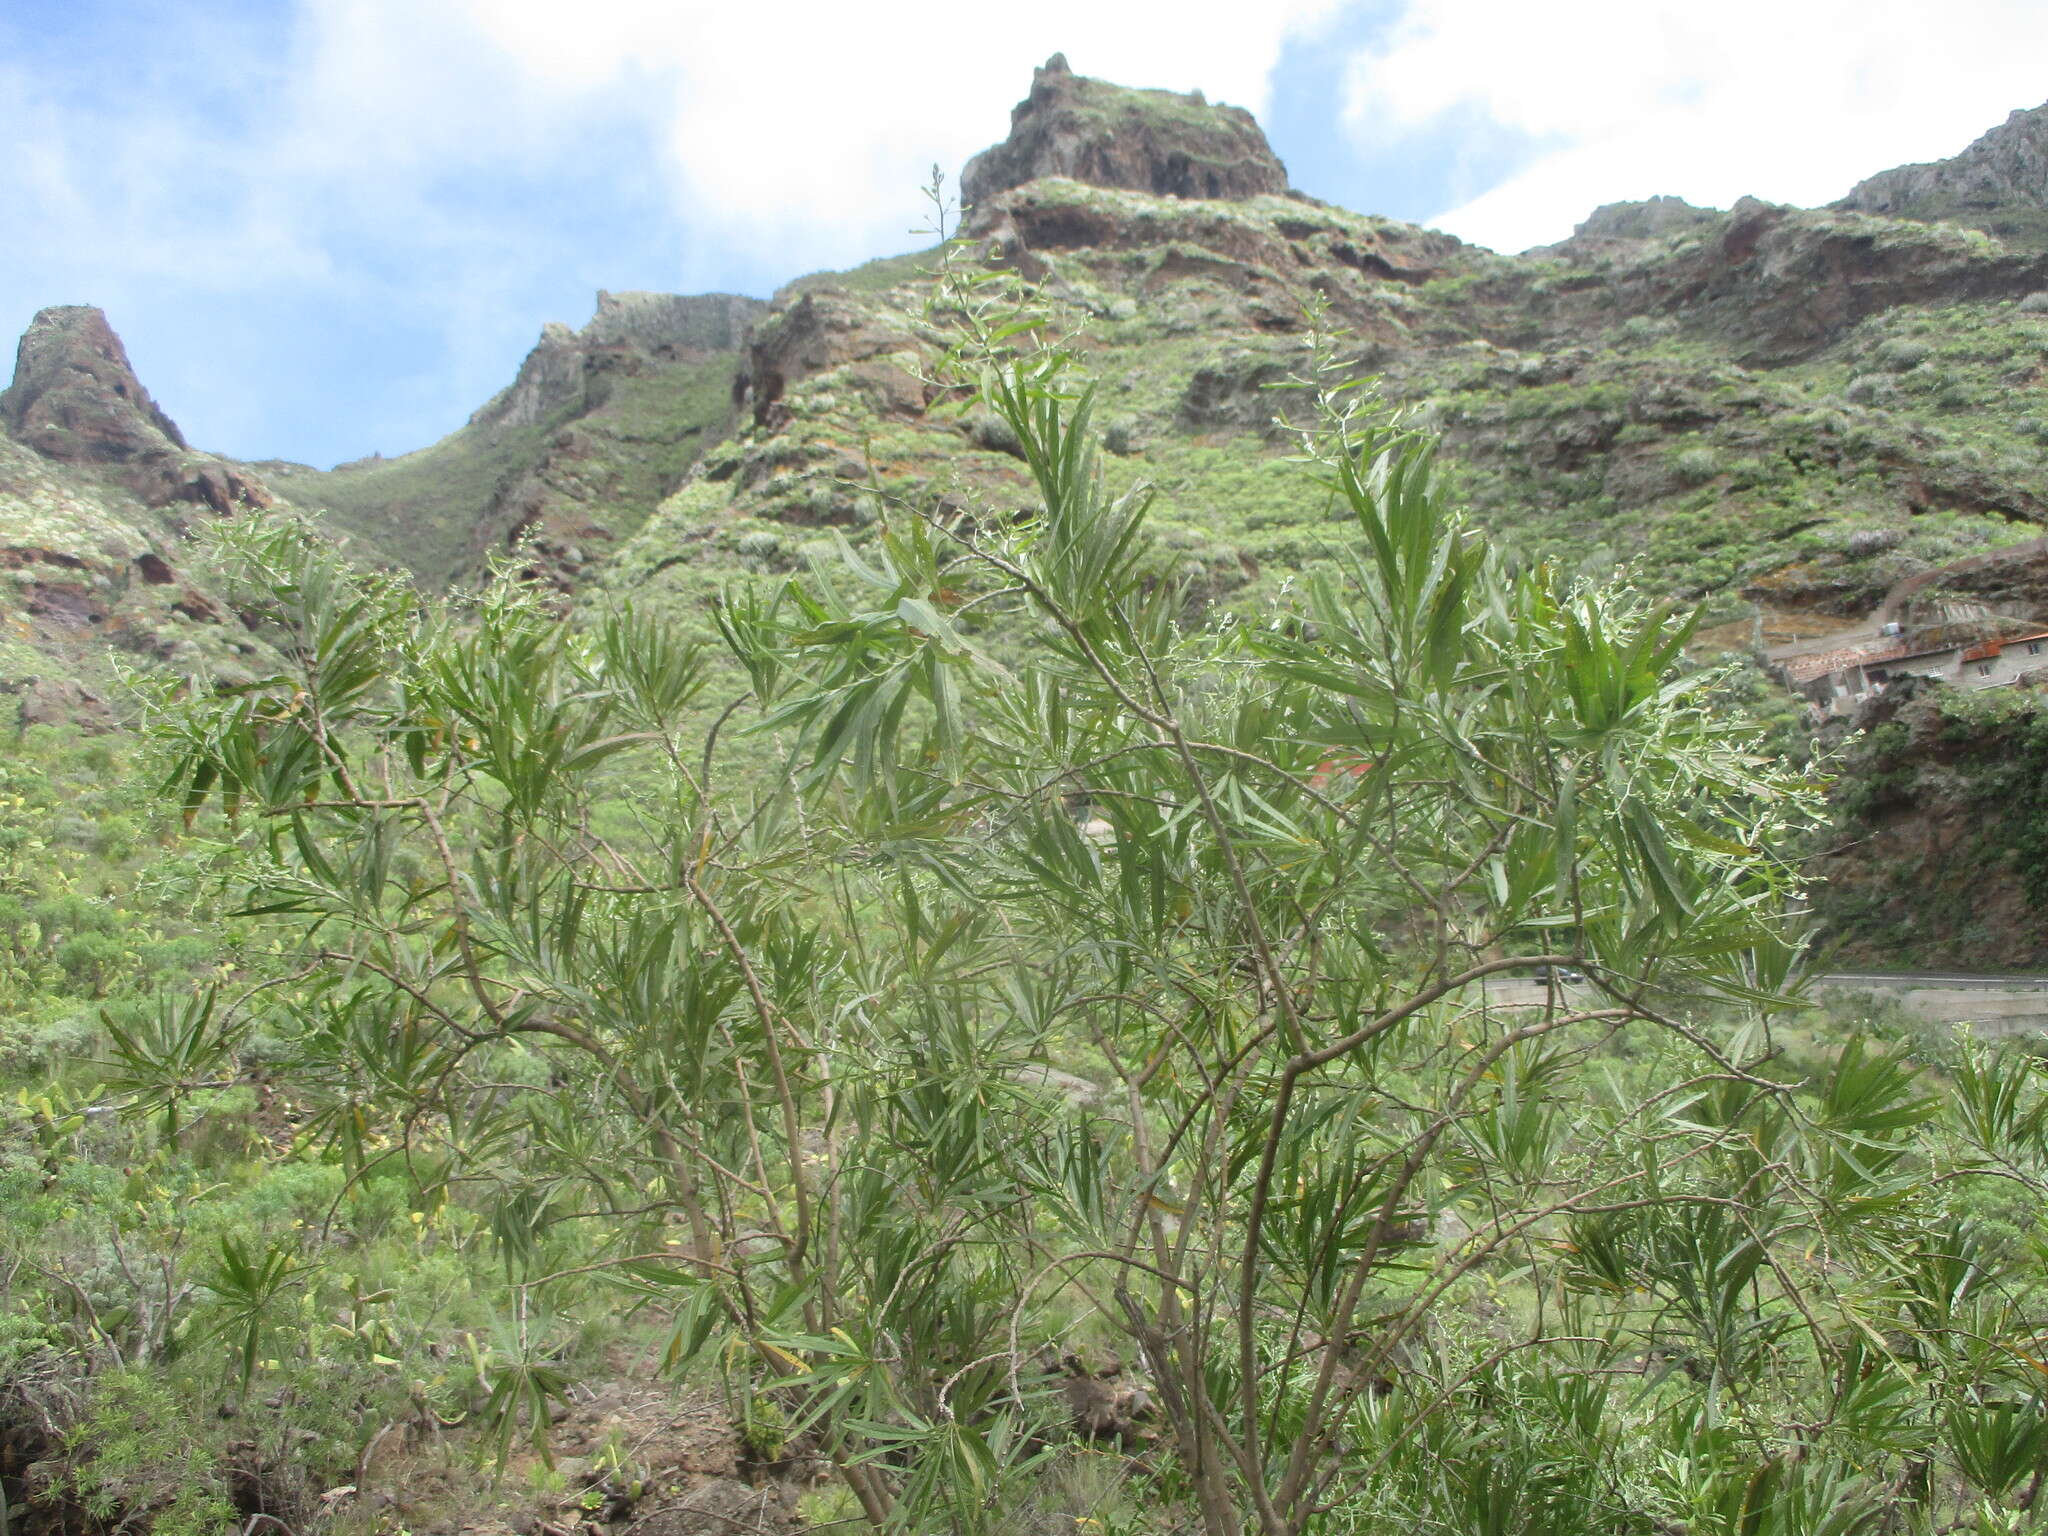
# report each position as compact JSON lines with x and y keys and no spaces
{"x":596,"y":427}
{"x":1781,"y":414}
{"x":1568,"y":380}
{"x":1998,"y":183}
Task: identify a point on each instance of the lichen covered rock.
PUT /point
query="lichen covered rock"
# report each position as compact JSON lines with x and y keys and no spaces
{"x":1107,"y":135}
{"x":1999,"y":183}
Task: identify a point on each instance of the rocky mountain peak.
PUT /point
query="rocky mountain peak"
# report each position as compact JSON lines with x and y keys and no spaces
{"x":1999,"y":183}
{"x":76,"y":399}
{"x":673,"y":324}
{"x":1161,"y":142}
{"x":1653,"y":218}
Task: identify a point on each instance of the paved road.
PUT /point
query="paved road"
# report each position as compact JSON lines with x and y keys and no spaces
{"x":1877,"y":980}
{"x":1886,"y":981}
{"x":1992,"y":1006}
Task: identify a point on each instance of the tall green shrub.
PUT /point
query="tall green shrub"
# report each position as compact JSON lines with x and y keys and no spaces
{"x":1399,"y":1237}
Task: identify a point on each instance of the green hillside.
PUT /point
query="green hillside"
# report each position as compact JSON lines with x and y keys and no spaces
{"x":1092,"y":881}
{"x":1594,"y":408}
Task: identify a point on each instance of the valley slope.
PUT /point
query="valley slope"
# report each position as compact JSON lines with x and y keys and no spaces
{"x":1783,"y":413}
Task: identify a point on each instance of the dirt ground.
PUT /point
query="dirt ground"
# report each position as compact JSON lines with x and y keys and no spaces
{"x":627,"y":1458}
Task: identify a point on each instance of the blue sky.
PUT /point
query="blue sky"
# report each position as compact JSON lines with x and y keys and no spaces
{"x":327,"y":227}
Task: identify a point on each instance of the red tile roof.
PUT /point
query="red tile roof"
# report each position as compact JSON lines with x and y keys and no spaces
{"x":1816,"y":664}
{"x":1804,"y":669}
{"x":1991,"y":648}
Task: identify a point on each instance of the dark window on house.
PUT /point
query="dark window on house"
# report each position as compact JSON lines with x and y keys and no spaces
{"x":1983,"y":669}
{"x":2033,"y":647}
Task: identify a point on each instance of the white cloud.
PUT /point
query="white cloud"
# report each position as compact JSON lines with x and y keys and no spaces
{"x":391,"y":163}
{"x":809,"y":128}
{"x":401,"y":161}
{"x":1789,"y":100}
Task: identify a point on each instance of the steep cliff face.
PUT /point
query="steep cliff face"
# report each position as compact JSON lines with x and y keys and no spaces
{"x":598,"y":426}
{"x":1939,"y":855}
{"x":1111,"y":136}
{"x":1999,"y":184}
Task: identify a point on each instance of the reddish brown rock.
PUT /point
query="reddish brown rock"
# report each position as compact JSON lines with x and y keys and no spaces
{"x":75,"y":398}
{"x":820,"y":330}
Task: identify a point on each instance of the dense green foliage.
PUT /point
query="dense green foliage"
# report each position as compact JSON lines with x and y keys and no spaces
{"x":1940,"y":833}
{"x":90,"y":918}
{"x":1017,"y":964}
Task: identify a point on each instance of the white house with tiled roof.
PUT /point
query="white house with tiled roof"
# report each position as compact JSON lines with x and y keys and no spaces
{"x":1835,"y":679}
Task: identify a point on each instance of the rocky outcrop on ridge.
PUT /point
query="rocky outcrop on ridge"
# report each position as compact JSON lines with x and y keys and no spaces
{"x":1653,"y":218}
{"x":1262,"y":242}
{"x":1159,"y":142}
{"x":569,"y":370}
{"x":1999,"y":183}
{"x":75,"y":397}
{"x":98,"y":494}
{"x":76,"y":400}
{"x":1619,"y":227}
{"x":1779,"y":284}
{"x":597,"y":427}
{"x":820,"y":330}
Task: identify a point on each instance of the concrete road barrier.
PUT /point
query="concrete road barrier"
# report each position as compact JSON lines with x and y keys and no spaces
{"x":1993,"y":1006}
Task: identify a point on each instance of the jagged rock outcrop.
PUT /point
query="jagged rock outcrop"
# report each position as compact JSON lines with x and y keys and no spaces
{"x":630,"y":332}
{"x":551,"y":377}
{"x":1615,"y":227}
{"x":98,"y":490}
{"x":1999,"y":183}
{"x":76,"y":399}
{"x":1653,"y":218}
{"x":1159,"y":142}
{"x":822,"y":330}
